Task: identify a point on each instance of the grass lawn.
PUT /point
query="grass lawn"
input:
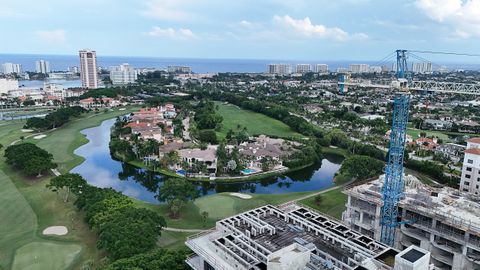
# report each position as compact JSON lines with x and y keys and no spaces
{"x":45,"y":255}
{"x":256,"y":123}
{"x":415,"y":133}
{"x":28,"y":206}
{"x":172,"y":240}
{"x":333,"y":203}
{"x":218,"y":206}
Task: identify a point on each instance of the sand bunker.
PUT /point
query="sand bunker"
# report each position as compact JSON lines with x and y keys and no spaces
{"x":27,"y":130}
{"x":38,"y":137}
{"x":241,"y":196}
{"x":55,"y":230}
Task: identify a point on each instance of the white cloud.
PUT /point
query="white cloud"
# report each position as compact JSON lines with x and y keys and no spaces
{"x":168,"y":9}
{"x":463,"y":17}
{"x":52,"y":36}
{"x":181,"y":33}
{"x":305,"y":28}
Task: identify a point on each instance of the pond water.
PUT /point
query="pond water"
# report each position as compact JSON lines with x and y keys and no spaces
{"x":101,"y":170}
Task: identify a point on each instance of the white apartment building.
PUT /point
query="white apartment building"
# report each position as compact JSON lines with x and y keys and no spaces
{"x":73,"y":69}
{"x":321,"y":68}
{"x":281,"y":69}
{"x":42,"y":66}
{"x":179,"y":69}
{"x":88,"y":68}
{"x":303,"y":68}
{"x":8,"y":85}
{"x":9,"y":68}
{"x":470,"y":181}
{"x":444,"y":221}
{"x":123,"y":74}
{"x":423,"y":67}
{"x":359,"y":68}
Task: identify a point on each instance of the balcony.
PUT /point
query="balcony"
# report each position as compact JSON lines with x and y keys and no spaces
{"x":194,"y":261}
{"x":415,"y":233}
{"x":442,"y":258}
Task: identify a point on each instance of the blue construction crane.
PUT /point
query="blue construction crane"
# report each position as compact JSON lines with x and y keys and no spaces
{"x":393,"y":184}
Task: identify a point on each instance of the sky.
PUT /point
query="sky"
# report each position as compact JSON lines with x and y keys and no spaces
{"x":247,"y":29}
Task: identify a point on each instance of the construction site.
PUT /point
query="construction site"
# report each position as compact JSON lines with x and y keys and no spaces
{"x":444,"y":221}
{"x":294,"y":237}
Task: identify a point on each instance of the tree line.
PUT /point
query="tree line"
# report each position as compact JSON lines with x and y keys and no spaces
{"x":54,"y":119}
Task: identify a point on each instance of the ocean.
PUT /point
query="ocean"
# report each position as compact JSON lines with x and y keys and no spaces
{"x":62,"y":62}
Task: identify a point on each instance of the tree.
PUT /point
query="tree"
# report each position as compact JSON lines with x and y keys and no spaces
{"x":29,"y":158}
{"x":318,"y":199}
{"x":204,"y":215}
{"x":362,"y":167}
{"x":208,"y":136}
{"x":232,"y":165}
{"x":71,"y":182}
{"x":177,"y":190}
{"x":130,"y":231}
{"x":154,"y":260}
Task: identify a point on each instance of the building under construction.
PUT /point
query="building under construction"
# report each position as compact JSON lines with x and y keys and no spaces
{"x":444,"y":221}
{"x":294,"y":238}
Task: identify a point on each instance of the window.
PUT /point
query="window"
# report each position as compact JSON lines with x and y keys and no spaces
{"x":477,"y":186}
{"x":469,"y":169}
{"x":466,"y":183}
{"x":465,"y":189}
{"x":470,"y":161}
{"x":468,"y":176}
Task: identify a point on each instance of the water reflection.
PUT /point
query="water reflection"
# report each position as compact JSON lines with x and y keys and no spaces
{"x":100,"y":169}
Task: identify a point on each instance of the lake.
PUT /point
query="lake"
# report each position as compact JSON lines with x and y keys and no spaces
{"x":101,"y":170}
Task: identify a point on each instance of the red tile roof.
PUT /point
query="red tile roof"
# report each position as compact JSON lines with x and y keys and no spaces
{"x":475,"y":151}
{"x":474,"y":140}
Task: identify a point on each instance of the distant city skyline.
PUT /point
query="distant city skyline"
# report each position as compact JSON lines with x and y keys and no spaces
{"x":272,"y":29}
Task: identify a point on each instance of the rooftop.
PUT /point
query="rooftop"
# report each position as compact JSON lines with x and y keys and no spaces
{"x":268,"y":236}
{"x":475,"y":151}
{"x":474,"y":140}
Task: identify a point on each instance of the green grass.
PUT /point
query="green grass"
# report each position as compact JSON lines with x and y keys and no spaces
{"x":172,"y":240}
{"x":333,"y":203}
{"x":415,"y":133}
{"x":218,"y":206}
{"x":44,"y":255}
{"x":256,"y":123}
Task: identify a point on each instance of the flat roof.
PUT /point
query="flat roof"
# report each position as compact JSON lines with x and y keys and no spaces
{"x":413,"y":255}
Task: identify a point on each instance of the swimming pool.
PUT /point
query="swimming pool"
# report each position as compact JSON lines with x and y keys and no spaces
{"x":248,"y":171}
{"x":181,"y":172}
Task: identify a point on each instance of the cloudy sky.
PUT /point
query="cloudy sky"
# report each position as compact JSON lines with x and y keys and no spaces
{"x":256,"y":29}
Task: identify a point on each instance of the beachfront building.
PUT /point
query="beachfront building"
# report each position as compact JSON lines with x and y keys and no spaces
{"x":123,"y":74}
{"x":88,"y":68}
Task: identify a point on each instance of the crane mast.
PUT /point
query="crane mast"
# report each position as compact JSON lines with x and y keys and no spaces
{"x":393,"y":183}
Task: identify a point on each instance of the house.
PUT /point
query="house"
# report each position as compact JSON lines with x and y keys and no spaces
{"x":207,"y":156}
{"x":259,"y":148}
{"x":146,"y":130}
{"x":98,"y":102}
{"x":452,"y":151}
{"x":437,"y":124}
{"x":427,"y":143}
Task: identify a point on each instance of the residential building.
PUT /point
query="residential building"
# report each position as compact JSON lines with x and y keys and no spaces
{"x":422,"y":67}
{"x":281,"y":69}
{"x":73,"y":69}
{"x":9,"y":68}
{"x":123,"y":74}
{"x":303,"y":68}
{"x":442,"y":220}
{"x":359,"y":68}
{"x":88,"y":68}
{"x":257,"y":149}
{"x":437,"y":124}
{"x":293,"y":237}
{"x":179,"y":69}
{"x":7,"y":85}
{"x":42,"y":66}
{"x":452,"y":151}
{"x":470,"y":180}
{"x":321,"y":68}
{"x":98,"y":102}
{"x":196,"y":155}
